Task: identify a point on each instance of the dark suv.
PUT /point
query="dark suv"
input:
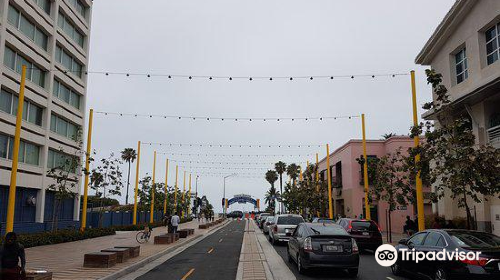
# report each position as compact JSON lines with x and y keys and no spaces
{"x":367,"y":233}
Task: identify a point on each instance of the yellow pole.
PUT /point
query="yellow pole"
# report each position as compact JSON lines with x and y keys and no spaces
{"x":87,"y":171}
{"x":330,"y":205}
{"x":15,"y":155}
{"x":300,"y":173}
{"x":418,"y":180}
{"x":183,"y":193}
{"x":365,"y":170}
{"x":134,"y":220}
{"x":176,"y":187}
{"x":317,"y":179}
{"x":189,"y":196}
{"x":151,"y":211}
{"x":166,"y":191}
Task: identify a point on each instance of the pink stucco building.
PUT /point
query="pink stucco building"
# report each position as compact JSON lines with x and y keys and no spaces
{"x":347,"y":181}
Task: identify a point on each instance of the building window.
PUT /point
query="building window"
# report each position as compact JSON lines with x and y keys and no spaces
{"x":31,"y":112}
{"x":63,"y":127}
{"x":64,"y":93}
{"x":23,"y":24}
{"x":28,"y":153}
{"x":461,"y":68}
{"x":492,"y":44}
{"x":79,"y":6}
{"x":68,"y":61}
{"x":15,"y":61}
{"x":60,"y":160}
{"x":44,"y":4}
{"x":70,"y":29}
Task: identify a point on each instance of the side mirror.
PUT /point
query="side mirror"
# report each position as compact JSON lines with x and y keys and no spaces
{"x":410,"y":245}
{"x":403,"y":241}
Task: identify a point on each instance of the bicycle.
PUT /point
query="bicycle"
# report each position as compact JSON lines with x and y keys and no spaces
{"x":143,"y":236}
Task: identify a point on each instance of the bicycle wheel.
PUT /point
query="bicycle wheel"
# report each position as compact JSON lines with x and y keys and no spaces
{"x":140,"y":237}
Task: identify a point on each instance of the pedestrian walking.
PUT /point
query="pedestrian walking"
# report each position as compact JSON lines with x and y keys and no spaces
{"x":10,"y":255}
{"x":166,"y":222}
{"x":175,"y":220}
{"x":409,"y":228}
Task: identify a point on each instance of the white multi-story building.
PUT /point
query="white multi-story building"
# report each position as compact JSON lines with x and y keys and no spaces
{"x":465,"y":49}
{"x":51,"y":37}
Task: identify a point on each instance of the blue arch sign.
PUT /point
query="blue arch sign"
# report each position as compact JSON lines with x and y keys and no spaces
{"x":242,"y":199}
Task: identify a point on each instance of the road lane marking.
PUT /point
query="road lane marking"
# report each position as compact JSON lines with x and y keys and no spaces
{"x":389,"y":278}
{"x":220,"y":240}
{"x":210,"y":251}
{"x":187,"y":274}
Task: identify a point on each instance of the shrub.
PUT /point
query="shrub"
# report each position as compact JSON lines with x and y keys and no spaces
{"x":61,"y":236}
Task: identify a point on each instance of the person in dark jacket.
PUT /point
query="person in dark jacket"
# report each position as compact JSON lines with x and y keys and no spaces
{"x":10,"y":255}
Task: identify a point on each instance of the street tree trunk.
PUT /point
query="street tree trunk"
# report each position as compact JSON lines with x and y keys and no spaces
{"x":128,"y":183}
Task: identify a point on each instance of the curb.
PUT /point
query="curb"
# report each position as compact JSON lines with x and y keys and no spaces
{"x":120,"y":273}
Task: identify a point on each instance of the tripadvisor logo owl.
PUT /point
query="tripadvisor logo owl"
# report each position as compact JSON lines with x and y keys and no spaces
{"x":386,"y":255}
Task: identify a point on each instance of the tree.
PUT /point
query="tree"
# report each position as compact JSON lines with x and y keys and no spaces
{"x":392,"y":183}
{"x":66,"y":180}
{"x":106,"y":178}
{"x":293,"y":171}
{"x":450,"y":159}
{"x":271,"y":177}
{"x":280,"y":168}
{"x":128,"y":155}
{"x":388,"y":135}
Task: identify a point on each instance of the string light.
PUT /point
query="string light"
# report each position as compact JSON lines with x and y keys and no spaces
{"x":224,"y":168}
{"x":208,"y":118}
{"x":226,"y":163}
{"x":233,"y":155}
{"x":233,"y":145}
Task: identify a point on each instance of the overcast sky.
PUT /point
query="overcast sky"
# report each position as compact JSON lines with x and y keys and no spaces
{"x":252,"y":38}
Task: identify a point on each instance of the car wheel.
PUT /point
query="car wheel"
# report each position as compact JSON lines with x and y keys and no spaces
{"x":353,"y":272}
{"x":440,"y":274}
{"x":300,"y":268}
{"x":396,"y":269}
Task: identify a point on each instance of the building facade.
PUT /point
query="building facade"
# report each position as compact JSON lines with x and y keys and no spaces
{"x":50,"y":37}
{"x":465,"y":49}
{"x":348,"y":185}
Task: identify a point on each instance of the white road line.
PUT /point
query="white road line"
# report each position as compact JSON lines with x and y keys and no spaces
{"x":390,"y":278}
{"x":220,"y":240}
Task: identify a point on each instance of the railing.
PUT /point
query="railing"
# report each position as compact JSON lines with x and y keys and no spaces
{"x":494,"y":136}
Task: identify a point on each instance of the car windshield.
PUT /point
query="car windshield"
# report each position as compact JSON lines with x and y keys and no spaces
{"x":270,"y":219}
{"x":290,"y":220}
{"x":363,"y":225}
{"x":329,"y":230}
{"x":475,"y":240}
{"x":325,"y":221}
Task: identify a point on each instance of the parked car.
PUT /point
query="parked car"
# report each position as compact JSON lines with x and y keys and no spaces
{"x":268,"y":222}
{"x":323,"y":220}
{"x":452,"y":240}
{"x":262,"y":218}
{"x":367,"y":233}
{"x":283,"y":227}
{"x":323,"y":245}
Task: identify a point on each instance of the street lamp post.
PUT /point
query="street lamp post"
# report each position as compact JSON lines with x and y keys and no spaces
{"x":196,"y":196}
{"x":224,"y":194}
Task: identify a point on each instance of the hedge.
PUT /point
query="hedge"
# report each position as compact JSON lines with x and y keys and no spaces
{"x":61,"y":236}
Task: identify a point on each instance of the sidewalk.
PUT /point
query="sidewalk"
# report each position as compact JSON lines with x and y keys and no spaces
{"x":65,"y":260}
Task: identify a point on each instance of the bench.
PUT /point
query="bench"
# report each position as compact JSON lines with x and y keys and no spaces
{"x":164,"y":239}
{"x":38,"y":275}
{"x":183,"y":233}
{"x":122,"y":254}
{"x":133,"y":251}
{"x":99,"y":259}
{"x":204,"y":226}
{"x":190,"y":231}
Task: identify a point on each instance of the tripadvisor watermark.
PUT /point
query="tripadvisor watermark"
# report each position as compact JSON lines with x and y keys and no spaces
{"x":386,"y":255}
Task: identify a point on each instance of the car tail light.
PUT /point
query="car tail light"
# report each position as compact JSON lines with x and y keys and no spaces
{"x":349,"y":228}
{"x":355,"y":248}
{"x":480,"y":261}
{"x":275,"y":229}
{"x":308,"y":247}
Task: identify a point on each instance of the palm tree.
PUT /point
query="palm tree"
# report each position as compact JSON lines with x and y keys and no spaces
{"x":271,"y":177}
{"x":293,"y":171}
{"x":280,"y":168}
{"x":128,"y":155}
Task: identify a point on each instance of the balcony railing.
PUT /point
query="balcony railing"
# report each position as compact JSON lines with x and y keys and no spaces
{"x":494,"y":136}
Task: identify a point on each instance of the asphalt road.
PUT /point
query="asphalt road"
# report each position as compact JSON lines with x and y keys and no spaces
{"x":215,"y":257}
{"x":369,"y":269}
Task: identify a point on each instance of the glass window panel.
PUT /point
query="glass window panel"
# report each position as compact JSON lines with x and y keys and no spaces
{"x":15,"y":102}
{"x":27,"y":28}
{"x":60,"y":21}
{"x":45,"y":5}
{"x":459,"y":68}
{"x":4,"y":140}
{"x":5,"y":101}
{"x":55,"y":88}
{"x":41,"y":39}
{"x":72,"y":131}
{"x":13,"y":16}
{"x":53,"y":123}
{"x":64,"y":93}
{"x":460,"y":78}
{"x":58,"y":54}
{"x":9,"y":58}
{"x":77,"y":68}
{"x":22,"y":151}
{"x":35,"y":115}
{"x":32,"y":154}
{"x":79,"y":38}
{"x":25,"y":109}
{"x":68,"y":28}
{"x":491,"y":46}
{"x":19,"y":64}
{"x":492,"y":58}
{"x":50,"y":159}
{"x":75,"y":100}
{"x":62,"y":127}
{"x":491,"y":33}
{"x":66,"y":60}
